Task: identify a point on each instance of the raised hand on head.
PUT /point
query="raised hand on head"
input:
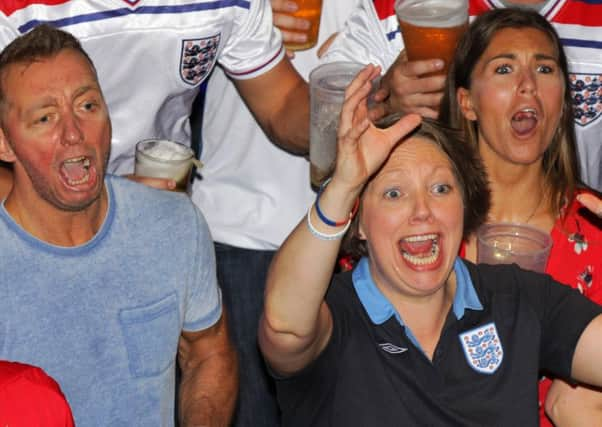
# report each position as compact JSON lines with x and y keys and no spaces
{"x":362,"y":147}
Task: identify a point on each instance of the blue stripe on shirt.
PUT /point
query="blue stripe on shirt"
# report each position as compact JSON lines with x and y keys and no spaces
{"x":143,"y":10}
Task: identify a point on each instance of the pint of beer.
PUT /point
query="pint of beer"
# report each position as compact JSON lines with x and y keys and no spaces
{"x":431,"y":28}
{"x":310,"y":10}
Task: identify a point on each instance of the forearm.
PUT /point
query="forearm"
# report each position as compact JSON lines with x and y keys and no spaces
{"x":302,"y":269}
{"x":573,"y":406}
{"x":289,"y":127}
{"x":207,"y":393}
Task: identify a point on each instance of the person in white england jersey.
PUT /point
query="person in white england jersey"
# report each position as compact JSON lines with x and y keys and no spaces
{"x":253,"y":194}
{"x":372,"y":36}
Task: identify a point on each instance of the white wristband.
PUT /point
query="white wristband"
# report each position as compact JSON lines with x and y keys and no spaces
{"x":324,"y":236}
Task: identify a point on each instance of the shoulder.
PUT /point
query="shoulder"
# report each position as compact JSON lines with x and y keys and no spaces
{"x":155,"y":208}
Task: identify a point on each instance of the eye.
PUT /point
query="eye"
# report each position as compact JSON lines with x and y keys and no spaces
{"x":503,"y":69}
{"x":441,"y":189}
{"x":43,"y":119}
{"x":90,"y":105}
{"x":392,"y":193}
{"x":545,"y":69}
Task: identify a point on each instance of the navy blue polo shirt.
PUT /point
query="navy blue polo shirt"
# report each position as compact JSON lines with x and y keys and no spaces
{"x":505,"y":325}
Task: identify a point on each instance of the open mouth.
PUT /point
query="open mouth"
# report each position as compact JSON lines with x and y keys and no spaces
{"x":420,"y":250}
{"x":524,"y":121}
{"x":76,"y":171}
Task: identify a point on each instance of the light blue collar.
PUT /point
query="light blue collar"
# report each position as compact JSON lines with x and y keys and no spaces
{"x":380,"y":309}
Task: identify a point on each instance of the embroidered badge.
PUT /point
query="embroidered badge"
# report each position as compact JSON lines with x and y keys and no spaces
{"x":198,"y":58}
{"x":483,"y":348}
{"x":586,"y":90}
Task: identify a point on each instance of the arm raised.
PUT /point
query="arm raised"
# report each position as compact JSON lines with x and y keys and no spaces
{"x":296,"y":324}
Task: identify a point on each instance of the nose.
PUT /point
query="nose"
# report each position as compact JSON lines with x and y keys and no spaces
{"x":527,"y":83}
{"x":72,"y":133}
{"x":421,"y":209}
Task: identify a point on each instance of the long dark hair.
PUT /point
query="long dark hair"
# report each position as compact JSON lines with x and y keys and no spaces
{"x":560,"y":165}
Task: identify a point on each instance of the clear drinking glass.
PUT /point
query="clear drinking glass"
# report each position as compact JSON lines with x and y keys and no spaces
{"x":507,"y":243}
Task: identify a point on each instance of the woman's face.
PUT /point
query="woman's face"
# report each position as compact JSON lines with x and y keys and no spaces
{"x":412,"y":220}
{"x":516,"y":96}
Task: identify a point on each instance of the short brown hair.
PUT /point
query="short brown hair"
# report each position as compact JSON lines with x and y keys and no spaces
{"x":468,"y":170}
{"x":44,"y":41}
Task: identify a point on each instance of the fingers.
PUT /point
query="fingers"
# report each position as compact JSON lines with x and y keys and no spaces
{"x":293,"y":29}
{"x":403,"y":127}
{"x":159,"y":183}
{"x":284,"y":6}
{"x":591,"y":202}
{"x":354,"y":108}
{"x":420,"y":68}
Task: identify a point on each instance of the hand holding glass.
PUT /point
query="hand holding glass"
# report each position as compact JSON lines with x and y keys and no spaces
{"x":432,"y":28}
{"x":161,"y":158}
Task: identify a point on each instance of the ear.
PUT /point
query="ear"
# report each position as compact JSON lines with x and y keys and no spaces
{"x":6,"y":151}
{"x":465,"y":103}
{"x":360,"y":231}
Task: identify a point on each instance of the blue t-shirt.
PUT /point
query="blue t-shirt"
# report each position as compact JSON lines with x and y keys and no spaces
{"x":104,"y":318}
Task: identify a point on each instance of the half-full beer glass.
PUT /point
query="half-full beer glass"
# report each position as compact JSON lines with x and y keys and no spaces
{"x":431,"y":28}
{"x":310,"y":10}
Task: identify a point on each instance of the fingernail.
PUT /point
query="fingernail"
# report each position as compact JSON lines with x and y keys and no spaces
{"x":438,"y":63}
{"x":290,"y":6}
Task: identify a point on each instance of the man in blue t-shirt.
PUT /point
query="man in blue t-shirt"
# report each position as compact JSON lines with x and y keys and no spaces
{"x":105,"y":282}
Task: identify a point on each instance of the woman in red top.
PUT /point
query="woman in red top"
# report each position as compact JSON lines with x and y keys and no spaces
{"x":508,"y":89}
{"x":30,"y":398}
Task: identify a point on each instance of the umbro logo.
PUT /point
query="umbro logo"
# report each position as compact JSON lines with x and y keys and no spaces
{"x":391,"y":348}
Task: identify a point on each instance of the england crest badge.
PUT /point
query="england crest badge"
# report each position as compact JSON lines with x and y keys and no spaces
{"x":483,"y":348}
{"x":198,"y":58}
{"x":586,"y":90}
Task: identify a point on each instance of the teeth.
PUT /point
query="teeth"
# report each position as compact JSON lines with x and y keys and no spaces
{"x":423,"y":260}
{"x":421,"y":238}
{"x":529,"y":111}
{"x":79,"y":181}
{"x":77,"y":159}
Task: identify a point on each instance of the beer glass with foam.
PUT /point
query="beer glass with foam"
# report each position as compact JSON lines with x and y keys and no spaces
{"x":310,"y":10}
{"x":161,"y":158}
{"x":431,"y":28}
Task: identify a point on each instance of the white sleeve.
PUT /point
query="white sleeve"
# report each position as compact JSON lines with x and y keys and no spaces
{"x":366,"y":39}
{"x":255,"y":45}
{"x":7,"y":32}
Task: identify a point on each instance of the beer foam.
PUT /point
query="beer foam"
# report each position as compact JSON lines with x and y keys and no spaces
{"x":433,"y":13}
{"x":166,"y":150}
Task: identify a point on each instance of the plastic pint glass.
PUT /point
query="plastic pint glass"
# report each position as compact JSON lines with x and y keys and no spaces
{"x":431,"y":28}
{"x":310,"y":10}
{"x":327,"y":84}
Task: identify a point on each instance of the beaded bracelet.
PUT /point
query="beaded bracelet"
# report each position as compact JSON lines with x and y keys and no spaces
{"x":324,"y":236}
{"x":328,"y":221}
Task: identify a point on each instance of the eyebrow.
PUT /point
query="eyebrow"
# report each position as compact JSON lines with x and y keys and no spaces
{"x":538,"y":56}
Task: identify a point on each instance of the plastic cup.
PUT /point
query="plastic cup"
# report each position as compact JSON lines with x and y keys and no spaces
{"x":310,"y":10}
{"x":327,"y":84}
{"x":432,"y":28}
{"x":507,"y":243}
{"x":161,"y":158}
